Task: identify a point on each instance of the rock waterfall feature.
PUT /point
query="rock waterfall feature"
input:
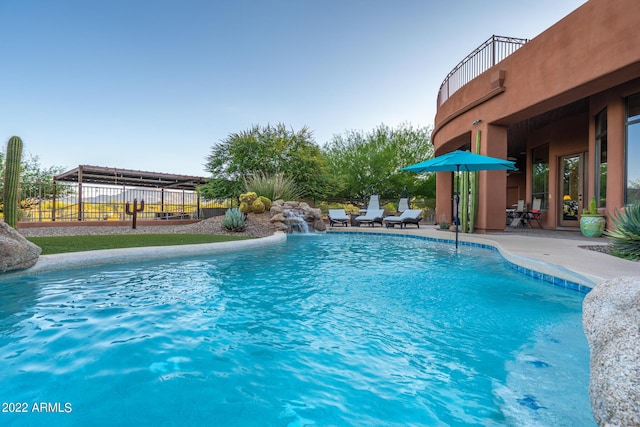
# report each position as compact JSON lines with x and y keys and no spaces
{"x":296,"y":217}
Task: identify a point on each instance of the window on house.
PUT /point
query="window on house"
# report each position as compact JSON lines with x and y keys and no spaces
{"x":632,"y":182}
{"x":540,"y":174}
{"x":601,"y":158}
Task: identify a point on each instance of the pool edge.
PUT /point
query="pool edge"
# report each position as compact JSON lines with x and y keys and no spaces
{"x":116,"y":256}
{"x":547,"y":272}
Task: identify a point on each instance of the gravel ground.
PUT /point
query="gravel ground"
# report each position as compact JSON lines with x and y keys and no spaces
{"x":605,"y":249}
{"x":257,"y":226}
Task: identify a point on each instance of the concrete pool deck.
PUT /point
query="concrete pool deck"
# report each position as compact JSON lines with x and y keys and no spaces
{"x":555,"y":253}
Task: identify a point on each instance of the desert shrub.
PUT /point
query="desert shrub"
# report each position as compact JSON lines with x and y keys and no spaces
{"x":234,"y":220}
{"x":348,"y":207}
{"x":273,"y":187}
{"x":625,"y":239}
{"x":390,"y":207}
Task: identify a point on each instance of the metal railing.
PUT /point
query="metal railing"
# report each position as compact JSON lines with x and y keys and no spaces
{"x":108,"y":203}
{"x":488,"y":54}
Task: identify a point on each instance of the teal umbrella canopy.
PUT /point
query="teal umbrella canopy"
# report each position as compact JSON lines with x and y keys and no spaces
{"x":465,"y":161}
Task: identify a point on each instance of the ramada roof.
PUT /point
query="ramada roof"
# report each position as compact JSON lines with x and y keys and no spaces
{"x":85,"y":174}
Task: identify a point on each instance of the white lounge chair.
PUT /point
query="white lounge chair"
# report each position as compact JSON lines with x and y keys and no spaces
{"x":371,"y":217}
{"x":338,"y":216}
{"x":403,"y":204}
{"x":410,"y":216}
{"x":403,"y":201}
{"x":374,"y":202}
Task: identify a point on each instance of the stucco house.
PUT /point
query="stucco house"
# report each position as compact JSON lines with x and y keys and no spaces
{"x":565,"y":106}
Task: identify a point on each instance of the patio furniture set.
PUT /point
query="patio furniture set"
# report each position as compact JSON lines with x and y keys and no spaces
{"x":374,"y":215}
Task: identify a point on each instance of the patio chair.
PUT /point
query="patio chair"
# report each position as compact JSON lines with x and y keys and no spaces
{"x":535,"y":213}
{"x":410,"y":216}
{"x":372,"y":217}
{"x":338,"y":216}
{"x":519,"y":215}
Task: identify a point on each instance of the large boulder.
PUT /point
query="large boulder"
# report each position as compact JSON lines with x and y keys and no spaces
{"x":319,"y":225}
{"x":611,"y":320}
{"x":16,"y":252}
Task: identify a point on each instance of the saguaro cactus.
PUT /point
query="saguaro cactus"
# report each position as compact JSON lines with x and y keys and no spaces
{"x":12,"y":181}
{"x":473,"y":214}
{"x":135,"y":210}
{"x":464,"y":202}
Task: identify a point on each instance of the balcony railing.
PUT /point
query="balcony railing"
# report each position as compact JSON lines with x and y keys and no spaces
{"x":477,"y":62}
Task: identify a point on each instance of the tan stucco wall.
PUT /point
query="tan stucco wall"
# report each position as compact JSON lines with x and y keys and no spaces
{"x":590,"y":54}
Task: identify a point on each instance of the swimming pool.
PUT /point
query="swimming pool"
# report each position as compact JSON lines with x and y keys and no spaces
{"x":336,"y":329}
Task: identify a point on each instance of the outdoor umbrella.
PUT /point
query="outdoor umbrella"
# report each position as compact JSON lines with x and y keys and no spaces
{"x":457,"y":161}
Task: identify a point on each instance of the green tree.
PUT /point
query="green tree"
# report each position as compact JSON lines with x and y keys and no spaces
{"x":376,"y":158}
{"x":34,"y":178}
{"x":268,"y":150}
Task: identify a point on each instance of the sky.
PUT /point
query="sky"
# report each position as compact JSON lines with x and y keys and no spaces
{"x":153,"y":85}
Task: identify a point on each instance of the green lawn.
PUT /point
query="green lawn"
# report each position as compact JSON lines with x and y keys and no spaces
{"x":62,"y":244}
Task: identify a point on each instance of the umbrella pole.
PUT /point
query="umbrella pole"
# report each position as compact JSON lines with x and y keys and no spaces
{"x":457,"y":220}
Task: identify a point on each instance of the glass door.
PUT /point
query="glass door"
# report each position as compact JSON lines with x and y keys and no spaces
{"x":572,"y":181}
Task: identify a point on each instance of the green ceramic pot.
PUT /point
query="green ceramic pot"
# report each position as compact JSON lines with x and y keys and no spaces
{"x":592,"y":225}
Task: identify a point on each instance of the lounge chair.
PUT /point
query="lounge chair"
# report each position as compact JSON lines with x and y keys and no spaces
{"x":338,"y":216}
{"x":403,"y":204}
{"x":372,"y":217}
{"x":410,"y":216}
{"x":374,"y":202}
{"x":403,"y":201}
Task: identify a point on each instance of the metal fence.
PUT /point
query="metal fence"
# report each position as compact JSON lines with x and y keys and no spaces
{"x":488,"y":54}
{"x":72,"y":202}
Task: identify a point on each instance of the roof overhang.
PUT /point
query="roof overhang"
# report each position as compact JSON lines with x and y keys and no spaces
{"x":85,"y":174}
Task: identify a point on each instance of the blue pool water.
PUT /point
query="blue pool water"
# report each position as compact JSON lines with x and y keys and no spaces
{"x":327,"y":330}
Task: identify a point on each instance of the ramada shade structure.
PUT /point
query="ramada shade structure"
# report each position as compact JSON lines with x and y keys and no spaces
{"x":99,"y":175}
{"x":134,"y":178}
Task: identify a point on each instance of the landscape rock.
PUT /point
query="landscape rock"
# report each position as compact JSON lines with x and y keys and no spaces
{"x":275,"y":210}
{"x":319,"y":225}
{"x":281,"y":226}
{"x":279,"y":217}
{"x":611,"y":320}
{"x":287,"y":216}
{"x":16,"y":252}
{"x":313,"y":214}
